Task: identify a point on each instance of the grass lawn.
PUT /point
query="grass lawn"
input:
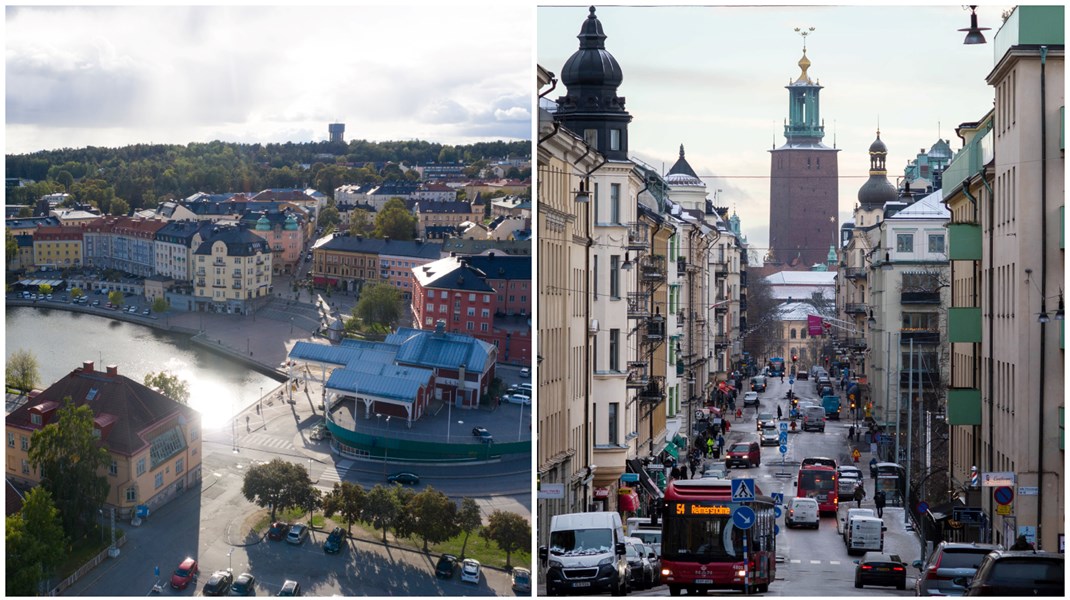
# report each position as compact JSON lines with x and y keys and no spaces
{"x":85,"y":549}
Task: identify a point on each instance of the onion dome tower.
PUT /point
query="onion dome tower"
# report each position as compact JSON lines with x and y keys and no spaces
{"x":877,"y":190}
{"x":262,"y":224}
{"x":803,"y":183}
{"x":591,"y":107}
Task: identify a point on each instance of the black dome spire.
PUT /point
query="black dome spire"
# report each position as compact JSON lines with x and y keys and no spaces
{"x":877,"y":190}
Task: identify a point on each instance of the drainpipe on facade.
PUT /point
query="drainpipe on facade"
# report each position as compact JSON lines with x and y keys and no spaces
{"x":1043,"y":281}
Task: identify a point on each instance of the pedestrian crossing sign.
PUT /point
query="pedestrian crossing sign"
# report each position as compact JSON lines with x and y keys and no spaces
{"x":742,"y":490}
{"x":778,"y":498}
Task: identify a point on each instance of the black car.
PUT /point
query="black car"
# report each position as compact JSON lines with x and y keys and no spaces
{"x":335,"y":540}
{"x":876,"y":568}
{"x":950,"y":561}
{"x":218,"y":584}
{"x":404,"y":477}
{"x":481,"y":432}
{"x":446,"y":564}
{"x":244,"y":585}
{"x":278,"y":531}
{"x":1018,"y":573}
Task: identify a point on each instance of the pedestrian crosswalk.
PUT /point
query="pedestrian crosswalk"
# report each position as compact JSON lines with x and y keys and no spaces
{"x":796,"y":561}
{"x":335,"y":472}
{"x":266,"y":441}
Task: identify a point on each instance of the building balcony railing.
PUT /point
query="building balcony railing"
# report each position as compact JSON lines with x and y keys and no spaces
{"x":235,"y":286}
{"x":637,"y":374}
{"x":681,"y":265}
{"x":743,"y":278}
{"x":638,"y":305}
{"x":743,"y":304}
{"x":200,"y":282}
{"x":721,"y":340}
{"x":923,"y":377}
{"x":219,"y":262}
{"x":721,"y":305}
{"x":236,"y":274}
{"x":652,"y":268}
{"x":920,"y":297}
{"x":855,"y":272}
{"x":654,"y":392}
{"x":638,"y":236}
{"x":855,"y":308}
{"x":720,"y":269}
{"x":654,"y":329}
{"x":857,"y":343}
{"x":926,"y":336}
{"x":200,"y":272}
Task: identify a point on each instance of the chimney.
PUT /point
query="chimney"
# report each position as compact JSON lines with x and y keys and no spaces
{"x":113,"y":370}
{"x":87,"y":366}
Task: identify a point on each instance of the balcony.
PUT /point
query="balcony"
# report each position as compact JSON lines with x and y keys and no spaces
{"x":858,"y":343}
{"x":721,"y":341}
{"x":654,"y":330}
{"x":235,"y":286}
{"x":200,"y":283}
{"x":654,"y":392}
{"x":855,"y":272}
{"x":638,"y":305}
{"x":719,"y":269}
{"x":919,"y":297}
{"x":652,"y":268}
{"x":236,"y":274}
{"x":743,"y":304}
{"x":924,"y":377}
{"x":855,"y":308}
{"x":721,"y":305}
{"x":219,"y":262}
{"x":637,"y":374}
{"x":927,"y":336}
{"x":200,"y":272}
{"x":638,"y":236}
{"x":743,"y":277}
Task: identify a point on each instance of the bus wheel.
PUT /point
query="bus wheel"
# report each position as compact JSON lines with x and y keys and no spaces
{"x":764,"y":588}
{"x":674,"y":590}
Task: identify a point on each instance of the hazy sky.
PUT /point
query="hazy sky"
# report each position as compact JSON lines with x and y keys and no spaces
{"x":713,"y":79}
{"x":110,"y":76}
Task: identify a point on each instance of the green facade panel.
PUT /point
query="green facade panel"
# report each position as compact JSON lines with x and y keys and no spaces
{"x":964,"y":325}
{"x":964,"y":406}
{"x":964,"y":241}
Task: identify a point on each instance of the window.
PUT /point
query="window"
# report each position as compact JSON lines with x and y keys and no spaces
{"x":180,"y":465}
{"x":141,"y":466}
{"x":614,"y":408}
{"x":792,"y":334}
{"x":471,"y":311}
{"x":594,"y":276}
{"x":614,"y":350}
{"x":485,"y":313}
{"x":928,"y":321}
{"x":802,"y":333}
{"x":25,"y":467}
{"x":471,"y":297}
{"x":131,"y":494}
{"x":430,"y":321}
{"x":486,"y":298}
{"x":614,"y":276}
{"x":614,"y":203}
{"x":10,"y":440}
{"x":614,"y":139}
{"x":904,"y":242}
{"x":442,"y":308}
{"x":936,"y":243}
{"x":471,"y":326}
{"x":591,"y":137}
{"x":483,"y":327}
{"x":35,"y":418}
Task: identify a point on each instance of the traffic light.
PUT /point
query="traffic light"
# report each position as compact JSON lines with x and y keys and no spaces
{"x":794,"y":358}
{"x":852,"y":398}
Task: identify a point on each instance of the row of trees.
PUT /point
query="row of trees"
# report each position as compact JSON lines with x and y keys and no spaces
{"x":143,"y":175}
{"x":428,"y":515}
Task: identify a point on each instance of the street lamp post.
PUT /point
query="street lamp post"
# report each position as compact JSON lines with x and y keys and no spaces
{"x":449,"y":419}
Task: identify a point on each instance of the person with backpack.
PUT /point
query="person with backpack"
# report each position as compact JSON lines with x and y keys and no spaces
{"x":879,"y":500}
{"x":860,"y":493}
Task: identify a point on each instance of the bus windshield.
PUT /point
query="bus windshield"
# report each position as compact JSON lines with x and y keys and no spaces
{"x":703,"y":539}
{"x":817,"y":481}
{"x":580,"y":542}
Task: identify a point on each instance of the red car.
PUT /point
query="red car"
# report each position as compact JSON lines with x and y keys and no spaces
{"x":184,"y":574}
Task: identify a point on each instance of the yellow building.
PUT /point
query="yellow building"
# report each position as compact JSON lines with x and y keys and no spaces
{"x":232,"y":268}
{"x":154,"y":442}
{"x":57,"y":247}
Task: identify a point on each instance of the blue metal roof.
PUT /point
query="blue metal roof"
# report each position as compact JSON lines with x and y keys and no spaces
{"x":440,"y":350}
{"x":397,"y":386}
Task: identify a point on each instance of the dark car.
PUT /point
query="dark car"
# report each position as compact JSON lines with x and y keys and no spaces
{"x":335,"y":540}
{"x":744,"y":454}
{"x":218,"y":584}
{"x":1018,"y":573}
{"x":278,"y":531}
{"x":876,"y":568}
{"x":290,"y":588}
{"x":948,"y":562}
{"x":244,"y":585}
{"x":481,"y":432}
{"x":639,"y":568}
{"x":404,"y":477}
{"x":446,"y":564}
{"x":186,"y":572}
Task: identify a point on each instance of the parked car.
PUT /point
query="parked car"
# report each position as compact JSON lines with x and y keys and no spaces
{"x":802,"y":511}
{"x":147,"y":312}
{"x":335,"y":541}
{"x":525,"y":372}
{"x":521,"y":580}
{"x":404,"y":477}
{"x":244,"y":585}
{"x":655,"y":563}
{"x":290,"y":588}
{"x":319,"y":432}
{"x":876,"y":568}
{"x":517,"y":398}
{"x":481,"y":432}
{"x":948,"y":562}
{"x":278,"y":531}
{"x":1018,"y":573}
{"x":770,"y":435}
{"x":639,"y":568}
{"x":717,"y":469}
{"x":298,"y":534}
{"x":470,"y":570}
{"x":185,"y":573}
{"x":750,"y":399}
{"x":745,"y":454}
{"x":445,"y":566}
{"x":218,"y":584}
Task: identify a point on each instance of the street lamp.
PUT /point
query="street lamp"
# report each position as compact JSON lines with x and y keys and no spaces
{"x":449,"y":419}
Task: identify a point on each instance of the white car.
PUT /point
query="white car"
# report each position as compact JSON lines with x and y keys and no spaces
{"x":518,"y":398}
{"x":470,"y":570}
{"x":750,"y":398}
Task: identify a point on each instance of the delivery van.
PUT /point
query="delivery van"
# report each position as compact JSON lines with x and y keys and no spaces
{"x":587,"y":554}
{"x":802,"y":511}
{"x":866,"y":535}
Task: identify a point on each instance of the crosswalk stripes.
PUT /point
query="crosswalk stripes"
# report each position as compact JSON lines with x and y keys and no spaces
{"x":796,"y":561}
{"x":335,"y":472}
{"x":256,"y":439}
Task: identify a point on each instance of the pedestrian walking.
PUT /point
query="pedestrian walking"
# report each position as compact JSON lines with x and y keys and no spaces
{"x":247,"y":422}
{"x":851,"y":433}
{"x":720,"y":444}
{"x":860,"y":493}
{"x":709,"y":447}
{"x":873,"y":467}
{"x":1022,"y":543}
{"x":727,"y":426}
{"x":779,"y":412}
{"x":879,"y":500}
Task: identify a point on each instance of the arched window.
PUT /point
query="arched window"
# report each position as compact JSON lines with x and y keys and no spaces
{"x":802,"y":333}
{"x":793,"y":333}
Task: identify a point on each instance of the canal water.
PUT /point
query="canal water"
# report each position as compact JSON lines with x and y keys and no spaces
{"x":62,"y":340}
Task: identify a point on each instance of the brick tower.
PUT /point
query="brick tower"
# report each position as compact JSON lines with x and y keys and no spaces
{"x":803,"y":187}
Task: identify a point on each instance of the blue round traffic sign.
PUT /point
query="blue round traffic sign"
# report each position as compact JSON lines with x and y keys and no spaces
{"x":776,"y":528}
{"x":743,"y":517}
{"x":783,"y":448}
{"x":1003,"y":495}
{"x":777,"y":511}
{"x":922,"y":507}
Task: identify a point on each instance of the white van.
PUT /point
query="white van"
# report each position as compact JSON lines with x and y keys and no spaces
{"x":866,"y":534}
{"x":802,"y":511}
{"x":587,"y":554}
{"x":845,"y":520}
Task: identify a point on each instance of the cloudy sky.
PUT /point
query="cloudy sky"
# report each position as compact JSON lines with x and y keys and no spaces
{"x":713,"y":79}
{"x":110,"y":76}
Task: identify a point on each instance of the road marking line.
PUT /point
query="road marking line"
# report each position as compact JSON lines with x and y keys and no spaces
{"x":795,"y":561}
{"x":834,"y":562}
{"x":815,"y":562}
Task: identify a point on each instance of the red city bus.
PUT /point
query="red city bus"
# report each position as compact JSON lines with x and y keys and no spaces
{"x":701,"y":549}
{"x":819,"y":482}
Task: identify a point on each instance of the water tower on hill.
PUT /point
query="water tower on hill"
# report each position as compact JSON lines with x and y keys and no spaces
{"x":336,"y":130}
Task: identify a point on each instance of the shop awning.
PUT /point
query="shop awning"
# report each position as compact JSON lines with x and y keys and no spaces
{"x":672,"y":450}
{"x":648,"y":484}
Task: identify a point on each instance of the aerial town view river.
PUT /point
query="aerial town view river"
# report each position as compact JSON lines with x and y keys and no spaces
{"x":61,"y":340}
